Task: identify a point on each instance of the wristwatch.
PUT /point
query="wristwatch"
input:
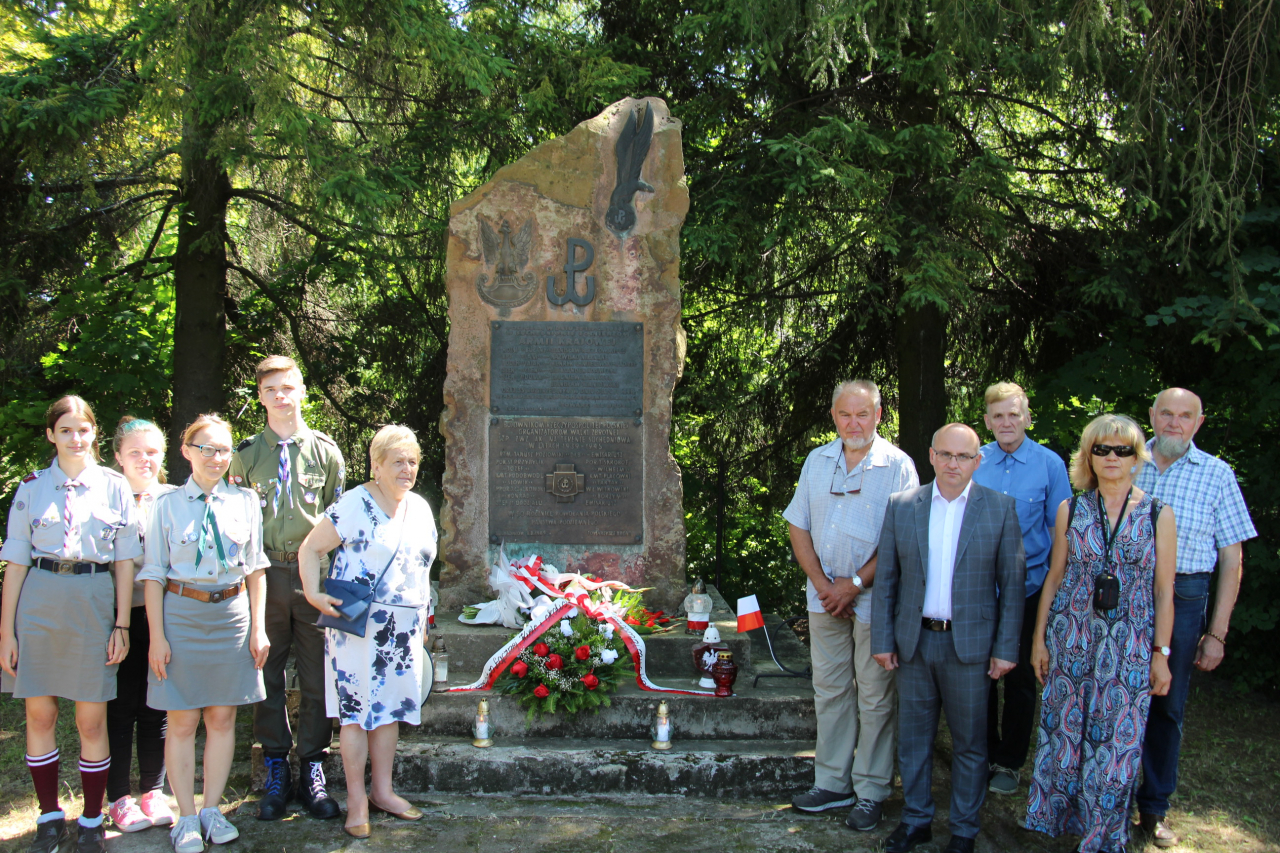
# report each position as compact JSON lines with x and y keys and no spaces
{"x":857,"y":581}
{"x":1164,"y":650}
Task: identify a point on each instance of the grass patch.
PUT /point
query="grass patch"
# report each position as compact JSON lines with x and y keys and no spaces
{"x":18,"y":807}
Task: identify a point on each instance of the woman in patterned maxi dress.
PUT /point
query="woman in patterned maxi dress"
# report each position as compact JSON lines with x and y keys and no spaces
{"x":385,"y":538}
{"x":1098,"y":667}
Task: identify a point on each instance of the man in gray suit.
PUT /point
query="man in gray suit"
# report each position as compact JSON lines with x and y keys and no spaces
{"x":947,"y":609}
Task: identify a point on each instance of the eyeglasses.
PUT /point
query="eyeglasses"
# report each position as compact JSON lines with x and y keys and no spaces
{"x":944,"y":457}
{"x":208,"y":451}
{"x":1124,"y":451}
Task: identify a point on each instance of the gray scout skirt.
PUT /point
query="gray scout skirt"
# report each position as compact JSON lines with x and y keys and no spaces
{"x":209,"y":659}
{"x":63,"y":624}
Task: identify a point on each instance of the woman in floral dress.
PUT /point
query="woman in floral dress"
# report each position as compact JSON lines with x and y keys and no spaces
{"x":386,"y":538}
{"x":1100,"y":668}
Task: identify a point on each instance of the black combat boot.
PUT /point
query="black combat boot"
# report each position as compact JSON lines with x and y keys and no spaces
{"x":311,"y":792}
{"x":279,"y":789}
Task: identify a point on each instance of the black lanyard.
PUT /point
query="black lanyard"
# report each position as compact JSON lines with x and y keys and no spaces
{"x":1107,"y":542}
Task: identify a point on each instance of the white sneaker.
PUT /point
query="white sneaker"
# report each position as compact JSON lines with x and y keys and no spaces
{"x":185,"y":835}
{"x":217,"y":829}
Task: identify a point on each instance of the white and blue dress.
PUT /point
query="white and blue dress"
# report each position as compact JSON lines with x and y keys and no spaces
{"x":376,"y":679}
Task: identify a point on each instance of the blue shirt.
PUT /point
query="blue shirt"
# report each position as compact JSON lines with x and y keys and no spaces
{"x":843,"y":510}
{"x":1036,"y":478}
{"x":1207,"y":505}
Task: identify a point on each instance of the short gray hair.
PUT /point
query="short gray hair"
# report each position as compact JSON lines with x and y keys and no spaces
{"x":861,"y":386}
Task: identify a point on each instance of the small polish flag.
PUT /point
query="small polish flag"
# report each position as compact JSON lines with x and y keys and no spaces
{"x":749,"y":615}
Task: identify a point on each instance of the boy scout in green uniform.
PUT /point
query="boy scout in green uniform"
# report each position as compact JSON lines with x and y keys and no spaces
{"x":297,"y":473}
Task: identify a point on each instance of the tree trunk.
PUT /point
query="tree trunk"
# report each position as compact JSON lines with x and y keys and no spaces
{"x":921,"y":344}
{"x":200,"y":262}
{"x":200,"y":290}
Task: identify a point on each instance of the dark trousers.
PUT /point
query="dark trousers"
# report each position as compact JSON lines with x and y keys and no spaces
{"x":128,"y":711}
{"x":1163,"y":741}
{"x":291,"y":624}
{"x":934,"y":680}
{"x":1009,"y":734}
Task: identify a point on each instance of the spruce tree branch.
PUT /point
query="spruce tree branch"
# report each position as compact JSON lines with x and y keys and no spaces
{"x":295,"y":331}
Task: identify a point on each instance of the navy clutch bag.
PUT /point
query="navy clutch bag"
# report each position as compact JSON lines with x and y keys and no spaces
{"x":353,"y":609}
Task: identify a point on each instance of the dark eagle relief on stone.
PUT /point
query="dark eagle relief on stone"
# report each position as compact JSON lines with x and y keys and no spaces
{"x":508,"y":255}
{"x":632,"y":149}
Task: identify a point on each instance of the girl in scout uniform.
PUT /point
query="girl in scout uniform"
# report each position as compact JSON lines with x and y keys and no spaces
{"x":64,"y":626}
{"x":203,"y":570}
{"x":139,"y":450}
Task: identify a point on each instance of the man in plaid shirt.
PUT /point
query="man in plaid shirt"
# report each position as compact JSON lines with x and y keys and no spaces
{"x":835,"y":520}
{"x":1212,"y":523}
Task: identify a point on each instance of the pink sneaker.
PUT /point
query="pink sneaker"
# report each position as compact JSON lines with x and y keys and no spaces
{"x":126,"y":815}
{"x":155,"y":806}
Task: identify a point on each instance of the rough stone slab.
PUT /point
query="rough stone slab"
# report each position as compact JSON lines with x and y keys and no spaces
{"x":562,"y":190}
{"x":565,"y":767}
{"x":693,"y":769}
{"x":774,"y":711}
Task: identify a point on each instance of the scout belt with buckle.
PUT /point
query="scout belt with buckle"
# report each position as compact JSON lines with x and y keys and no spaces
{"x":208,"y":597}
{"x":936,"y":624}
{"x":70,"y":567}
{"x":282,"y":556}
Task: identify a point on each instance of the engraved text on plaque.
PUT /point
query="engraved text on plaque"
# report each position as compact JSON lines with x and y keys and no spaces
{"x":569,"y":369}
{"x":600,"y":461}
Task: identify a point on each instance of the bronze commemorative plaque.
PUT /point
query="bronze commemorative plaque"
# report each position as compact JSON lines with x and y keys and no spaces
{"x":570,"y":369}
{"x":566,"y":481}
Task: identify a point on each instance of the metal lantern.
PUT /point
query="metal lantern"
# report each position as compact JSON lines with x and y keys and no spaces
{"x":697,"y":605}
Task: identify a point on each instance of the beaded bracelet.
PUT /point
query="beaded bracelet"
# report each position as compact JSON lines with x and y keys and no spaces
{"x":1216,"y":637}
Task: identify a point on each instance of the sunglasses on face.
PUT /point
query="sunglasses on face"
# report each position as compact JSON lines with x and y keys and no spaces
{"x":1122,"y":450}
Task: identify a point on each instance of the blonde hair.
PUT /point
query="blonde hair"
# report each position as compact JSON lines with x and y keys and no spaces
{"x":130,"y":426}
{"x":393,"y":437}
{"x":274,"y":364}
{"x":200,"y":423}
{"x":1122,"y":426}
{"x":1005,"y":390}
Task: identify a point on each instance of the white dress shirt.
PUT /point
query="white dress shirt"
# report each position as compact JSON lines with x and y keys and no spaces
{"x":945,"y":520}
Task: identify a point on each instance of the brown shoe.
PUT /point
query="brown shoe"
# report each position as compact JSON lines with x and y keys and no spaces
{"x":1159,"y":832}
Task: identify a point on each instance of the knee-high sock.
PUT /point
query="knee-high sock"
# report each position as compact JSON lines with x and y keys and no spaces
{"x":44,"y":774}
{"x":93,"y":779}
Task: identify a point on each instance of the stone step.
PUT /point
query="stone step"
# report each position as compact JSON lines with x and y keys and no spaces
{"x":667,"y":654}
{"x":568,"y":767}
{"x":778,"y":708}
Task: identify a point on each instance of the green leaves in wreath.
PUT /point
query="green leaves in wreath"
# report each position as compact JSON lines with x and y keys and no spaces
{"x":573,"y":667}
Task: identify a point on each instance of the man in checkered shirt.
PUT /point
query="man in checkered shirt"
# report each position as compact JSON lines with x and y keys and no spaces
{"x":1212,"y":523}
{"x":835,"y":520}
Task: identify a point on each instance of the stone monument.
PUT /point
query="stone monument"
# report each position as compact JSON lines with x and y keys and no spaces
{"x":564,"y":347}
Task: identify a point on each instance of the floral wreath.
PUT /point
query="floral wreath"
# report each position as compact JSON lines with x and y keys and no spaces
{"x":574,"y":667}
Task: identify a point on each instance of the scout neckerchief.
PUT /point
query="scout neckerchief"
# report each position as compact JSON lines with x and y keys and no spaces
{"x":209,"y":527}
{"x":282,"y":480}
